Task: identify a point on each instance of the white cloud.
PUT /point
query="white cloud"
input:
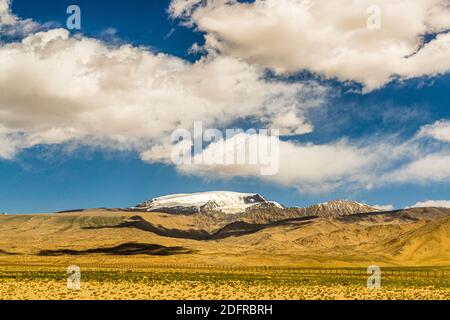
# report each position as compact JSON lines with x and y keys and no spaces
{"x":386,"y":207}
{"x":432,"y":204}
{"x":291,"y":123}
{"x":428,"y":168}
{"x":428,"y":163}
{"x":307,"y":167}
{"x":6,"y":16}
{"x":7,"y":144}
{"x":322,"y":168}
{"x":56,"y":88}
{"x":330,"y":38}
{"x":440,"y":130}
{"x":11,"y":25}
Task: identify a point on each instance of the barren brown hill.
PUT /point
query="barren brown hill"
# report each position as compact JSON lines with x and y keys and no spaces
{"x":413,"y":237}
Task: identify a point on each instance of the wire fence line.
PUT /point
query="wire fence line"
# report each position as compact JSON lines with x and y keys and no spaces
{"x":388,"y":271}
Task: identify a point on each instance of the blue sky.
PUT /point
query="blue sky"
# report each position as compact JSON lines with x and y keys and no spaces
{"x":46,"y":177}
{"x":136,"y":21}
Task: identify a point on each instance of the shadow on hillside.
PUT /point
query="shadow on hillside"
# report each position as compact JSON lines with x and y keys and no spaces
{"x":140,"y":223}
{"x":126,"y":249}
{"x":3,"y":252}
{"x":401,"y":215}
{"x":238,"y":228}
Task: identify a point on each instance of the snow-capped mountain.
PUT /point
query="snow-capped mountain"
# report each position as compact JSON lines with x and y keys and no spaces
{"x":249,"y":207}
{"x":217,"y":201}
{"x":339,"y":208}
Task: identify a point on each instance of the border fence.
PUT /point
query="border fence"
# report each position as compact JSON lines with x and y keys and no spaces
{"x":419,"y":272}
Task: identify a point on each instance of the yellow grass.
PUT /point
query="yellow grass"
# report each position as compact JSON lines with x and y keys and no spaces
{"x":50,"y":283}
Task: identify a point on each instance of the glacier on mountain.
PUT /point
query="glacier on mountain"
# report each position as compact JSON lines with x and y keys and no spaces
{"x":218,"y":201}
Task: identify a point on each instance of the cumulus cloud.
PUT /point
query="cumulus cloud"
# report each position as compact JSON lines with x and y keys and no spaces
{"x":291,"y":124}
{"x":330,"y":38}
{"x":11,"y":25}
{"x":56,"y":88}
{"x":308,"y":167}
{"x":440,"y":130}
{"x":432,"y":204}
{"x":7,"y":144}
{"x":428,"y":161}
{"x":314,"y":168}
{"x":428,"y":168}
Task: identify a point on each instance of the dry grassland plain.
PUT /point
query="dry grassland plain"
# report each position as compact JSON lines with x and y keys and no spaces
{"x":172,"y":284}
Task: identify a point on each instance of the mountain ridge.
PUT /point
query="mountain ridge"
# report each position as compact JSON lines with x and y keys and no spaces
{"x":246,"y":207}
{"x":226,"y":202}
{"x":419,"y":236}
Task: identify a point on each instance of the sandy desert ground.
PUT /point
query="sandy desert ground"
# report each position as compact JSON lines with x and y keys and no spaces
{"x":50,"y":283}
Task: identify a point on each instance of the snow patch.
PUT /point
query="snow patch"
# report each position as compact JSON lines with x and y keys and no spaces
{"x":223,"y":201}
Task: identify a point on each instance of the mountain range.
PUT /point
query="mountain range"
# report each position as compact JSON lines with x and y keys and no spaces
{"x":232,"y":228}
{"x":245,"y":207}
